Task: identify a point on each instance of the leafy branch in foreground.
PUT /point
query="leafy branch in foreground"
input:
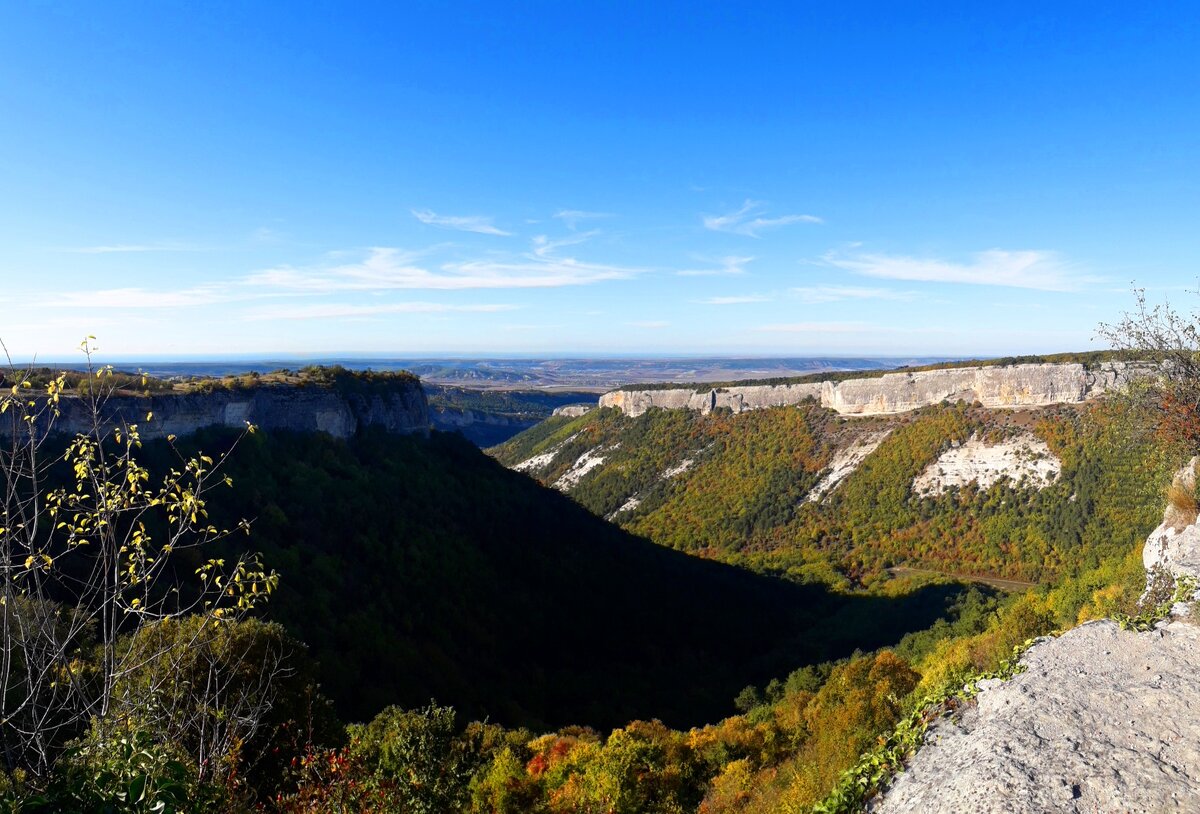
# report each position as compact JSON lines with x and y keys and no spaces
{"x":1185,"y":589}
{"x":94,"y":548}
{"x":1172,"y":339}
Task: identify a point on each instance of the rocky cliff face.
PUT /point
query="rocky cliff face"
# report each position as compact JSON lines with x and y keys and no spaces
{"x":573,"y":410}
{"x":400,"y":409}
{"x":1102,"y":719}
{"x":1032,"y":385}
{"x":1174,"y":547}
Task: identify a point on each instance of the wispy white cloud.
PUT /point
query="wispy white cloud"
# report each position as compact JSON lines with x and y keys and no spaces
{"x":1042,"y":270}
{"x":544,"y":246}
{"x":350,"y":310}
{"x":538,"y":272}
{"x":746,"y":221}
{"x":139,"y":298}
{"x":726,"y":265}
{"x":571,"y":217}
{"x":130,"y":248}
{"x":813,"y":295}
{"x":815,"y":327}
{"x":386,"y":269}
{"x":265,"y":234}
{"x":652,"y":324}
{"x":464,"y":223}
{"x":733,"y":300}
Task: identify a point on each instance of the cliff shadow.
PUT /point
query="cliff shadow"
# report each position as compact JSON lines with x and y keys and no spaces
{"x":421,"y":568}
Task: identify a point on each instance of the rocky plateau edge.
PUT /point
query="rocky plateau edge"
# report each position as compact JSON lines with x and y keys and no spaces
{"x":1024,"y":385}
{"x":400,"y":408}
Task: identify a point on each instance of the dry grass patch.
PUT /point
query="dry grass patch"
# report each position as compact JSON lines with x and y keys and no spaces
{"x":1182,"y":508}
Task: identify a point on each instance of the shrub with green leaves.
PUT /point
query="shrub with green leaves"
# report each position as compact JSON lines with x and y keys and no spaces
{"x":121,"y":774}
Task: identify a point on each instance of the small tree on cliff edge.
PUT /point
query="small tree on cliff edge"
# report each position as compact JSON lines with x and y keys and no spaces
{"x":1163,"y":335}
{"x":91,"y":555}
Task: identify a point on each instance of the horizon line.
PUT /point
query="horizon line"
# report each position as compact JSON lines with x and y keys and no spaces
{"x":101,"y":358}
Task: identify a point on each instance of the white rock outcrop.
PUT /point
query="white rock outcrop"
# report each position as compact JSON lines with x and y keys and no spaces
{"x":844,"y":462}
{"x":997,"y":386}
{"x":543,"y":459}
{"x":1174,"y":547}
{"x":584,"y":464}
{"x":629,"y":505}
{"x":573,"y":410}
{"x":1022,"y":458}
{"x":678,"y":469}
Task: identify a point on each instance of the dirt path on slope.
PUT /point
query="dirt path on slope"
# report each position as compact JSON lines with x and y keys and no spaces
{"x":1013,"y":585}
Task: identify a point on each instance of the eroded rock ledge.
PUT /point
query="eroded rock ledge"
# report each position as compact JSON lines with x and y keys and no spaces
{"x":1102,"y":719}
{"x":1029,"y":385}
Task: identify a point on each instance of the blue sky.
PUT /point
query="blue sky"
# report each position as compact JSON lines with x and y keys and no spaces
{"x":565,"y":178}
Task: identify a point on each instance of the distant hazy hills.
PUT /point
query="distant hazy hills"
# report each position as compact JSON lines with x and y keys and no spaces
{"x":581,"y":372}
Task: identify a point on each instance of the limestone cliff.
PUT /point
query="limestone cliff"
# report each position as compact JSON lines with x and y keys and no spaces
{"x":398,"y":408}
{"x":1027,"y":385}
{"x":1174,"y":547}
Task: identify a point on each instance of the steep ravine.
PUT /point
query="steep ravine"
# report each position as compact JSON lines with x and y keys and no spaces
{"x":1103,"y":719}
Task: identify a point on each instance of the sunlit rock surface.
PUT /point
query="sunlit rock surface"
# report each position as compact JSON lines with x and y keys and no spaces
{"x":1022,"y":459}
{"x":573,"y":410}
{"x":844,"y":462}
{"x":1174,"y":547}
{"x":998,"y":386}
{"x":1101,"y":720}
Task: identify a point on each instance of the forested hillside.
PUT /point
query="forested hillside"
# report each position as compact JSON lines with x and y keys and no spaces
{"x":421,"y":568}
{"x":742,"y":488}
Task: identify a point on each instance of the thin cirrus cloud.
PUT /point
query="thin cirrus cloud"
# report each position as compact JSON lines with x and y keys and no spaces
{"x":544,"y":246}
{"x":464,"y":223}
{"x":348,"y":310}
{"x":572,"y":217}
{"x":725,"y":265}
{"x":139,"y":298}
{"x":814,"y":327}
{"x":815,"y":295}
{"x":736,"y":300}
{"x":650,"y":324}
{"x":133,"y":248}
{"x":1041,"y":270}
{"x":384,"y":269}
{"x":746,"y":221}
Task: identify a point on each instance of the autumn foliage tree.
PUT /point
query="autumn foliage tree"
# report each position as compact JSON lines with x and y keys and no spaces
{"x":1164,"y":335}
